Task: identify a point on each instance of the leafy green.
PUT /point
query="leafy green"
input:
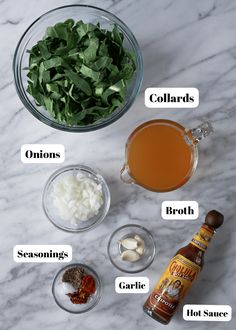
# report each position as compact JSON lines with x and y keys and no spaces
{"x":80,"y":72}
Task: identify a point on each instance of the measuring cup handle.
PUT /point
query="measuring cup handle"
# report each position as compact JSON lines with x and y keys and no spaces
{"x":124,"y":175}
{"x":201,"y":131}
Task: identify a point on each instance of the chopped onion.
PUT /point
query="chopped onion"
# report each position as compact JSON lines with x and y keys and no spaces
{"x":77,"y":198}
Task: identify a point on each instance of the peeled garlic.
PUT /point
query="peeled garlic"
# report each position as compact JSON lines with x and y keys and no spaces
{"x":139,"y":239}
{"x":130,"y":255}
{"x":141,"y":245}
{"x":129,"y":243}
{"x":140,"y":250}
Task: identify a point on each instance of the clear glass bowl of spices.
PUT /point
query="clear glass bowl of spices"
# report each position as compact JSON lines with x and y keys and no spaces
{"x":76,"y":198}
{"x":76,"y":288}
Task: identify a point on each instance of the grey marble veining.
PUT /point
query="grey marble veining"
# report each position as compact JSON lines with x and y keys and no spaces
{"x":184,"y":43}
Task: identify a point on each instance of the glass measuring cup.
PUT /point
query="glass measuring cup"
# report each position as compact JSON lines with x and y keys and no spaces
{"x":161,"y":155}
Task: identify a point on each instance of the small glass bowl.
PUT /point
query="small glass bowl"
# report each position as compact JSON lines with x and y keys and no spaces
{"x":114,"y":249}
{"x":52,"y":212}
{"x":60,"y":289}
{"x":36,"y":31}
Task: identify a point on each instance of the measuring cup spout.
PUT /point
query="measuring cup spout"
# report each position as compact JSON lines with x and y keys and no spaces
{"x":201,"y":131}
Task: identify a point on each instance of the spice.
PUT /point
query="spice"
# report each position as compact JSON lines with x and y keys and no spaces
{"x":88,"y":284}
{"x":78,"y":297}
{"x":73,"y":276}
{"x":84,"y":284}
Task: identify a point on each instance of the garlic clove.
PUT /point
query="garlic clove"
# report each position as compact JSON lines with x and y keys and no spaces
{"x":129,"y":243}
{"x":139,"y":239}
{"x":141,"y":245}
{"x":140,"y":250}
{"x":130,"y":255}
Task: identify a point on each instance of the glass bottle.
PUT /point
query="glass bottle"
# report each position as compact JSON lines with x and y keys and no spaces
{"x":181,"y":272}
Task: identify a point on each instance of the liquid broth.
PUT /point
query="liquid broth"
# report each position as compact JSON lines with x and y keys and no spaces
{"x":158,"y":157}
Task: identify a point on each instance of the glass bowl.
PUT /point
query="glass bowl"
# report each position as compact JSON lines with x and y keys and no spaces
{"x":52,"y":212}
{"x":37,"y":30}
{"x":114,"y":249}
{"x":60,"y":289}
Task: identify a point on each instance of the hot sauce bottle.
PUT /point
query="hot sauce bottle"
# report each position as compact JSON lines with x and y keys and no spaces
{"x":182,"y":270}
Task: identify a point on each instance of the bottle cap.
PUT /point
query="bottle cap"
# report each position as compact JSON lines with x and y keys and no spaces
{"x":214,"y":219}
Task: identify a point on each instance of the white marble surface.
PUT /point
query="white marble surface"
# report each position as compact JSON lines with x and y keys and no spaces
{"x":184,"y":43}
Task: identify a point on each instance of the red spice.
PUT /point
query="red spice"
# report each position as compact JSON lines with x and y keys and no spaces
{"x":88,"y":284}
{"x":85,"y":290}
{"x":78,"y":297}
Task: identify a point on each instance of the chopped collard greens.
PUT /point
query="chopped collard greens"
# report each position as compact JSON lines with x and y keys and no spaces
{"x":79,"y":72}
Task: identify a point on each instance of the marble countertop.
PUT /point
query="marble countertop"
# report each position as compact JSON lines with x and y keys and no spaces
{"x":184,"y":43}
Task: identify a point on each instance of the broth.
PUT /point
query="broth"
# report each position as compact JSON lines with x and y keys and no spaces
{"x":158,"y":157}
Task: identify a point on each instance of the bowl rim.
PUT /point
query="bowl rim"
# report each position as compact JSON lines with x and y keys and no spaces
{"x":98,"y":289}
{"x":87,"y":169}
{"x":152,"y":256}
{"x":16,"y":66}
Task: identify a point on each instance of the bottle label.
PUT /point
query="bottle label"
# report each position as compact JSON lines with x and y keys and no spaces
{"x":202,"y":238}
{"x":172,"y":286}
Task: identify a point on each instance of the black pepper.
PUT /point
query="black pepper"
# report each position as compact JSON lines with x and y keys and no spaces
{"x":73,"y":276}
